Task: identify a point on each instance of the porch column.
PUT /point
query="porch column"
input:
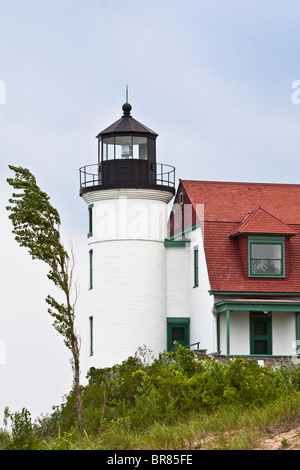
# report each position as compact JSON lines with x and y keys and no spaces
{"x":228,"y":332}
{"x":218,"y":332}
{"x":297,"y":315}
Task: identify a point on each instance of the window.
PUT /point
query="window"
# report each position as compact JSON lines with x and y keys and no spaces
{"x":261,"y":333}
{"x":91,"y":268}
{"x":196,"y":267}
{"x":266,"y":257}
{"x":91,"y":336}
{"x":90,"y":209}
{"x":178,"y":329}
{"x":124,"y":147}
{"x":181,"y":198}
{"x":108,"y":148}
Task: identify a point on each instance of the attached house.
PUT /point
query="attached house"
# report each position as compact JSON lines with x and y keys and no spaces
{"x":233,"y":268}
{"x":222,"y":276}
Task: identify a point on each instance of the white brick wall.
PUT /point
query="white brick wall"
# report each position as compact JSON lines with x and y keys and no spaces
{"x":128,"y":299}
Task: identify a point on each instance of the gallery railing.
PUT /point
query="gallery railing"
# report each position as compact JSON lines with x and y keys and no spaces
{"x":91,"y":175}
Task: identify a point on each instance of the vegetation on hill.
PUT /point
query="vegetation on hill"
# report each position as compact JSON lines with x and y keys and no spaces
{"x":173,"y":402}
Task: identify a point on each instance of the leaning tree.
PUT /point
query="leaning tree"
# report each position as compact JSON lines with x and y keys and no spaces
{"x":36,"y":226}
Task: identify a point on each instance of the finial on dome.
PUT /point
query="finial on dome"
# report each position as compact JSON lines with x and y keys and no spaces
{"x":126,"y":109}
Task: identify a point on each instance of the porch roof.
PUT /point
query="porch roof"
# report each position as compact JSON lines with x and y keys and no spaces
{"x":256,"y":305}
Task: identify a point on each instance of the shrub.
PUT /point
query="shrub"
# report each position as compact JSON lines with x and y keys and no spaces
{"x":22,"y":430}
{"x":137,"y":393}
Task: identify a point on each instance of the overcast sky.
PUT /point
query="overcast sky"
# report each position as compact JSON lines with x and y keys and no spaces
{"x":212,"y":77}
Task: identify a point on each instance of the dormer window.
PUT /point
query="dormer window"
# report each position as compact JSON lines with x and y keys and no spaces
{"x":266,"y":256}
{"x":267,"y":236}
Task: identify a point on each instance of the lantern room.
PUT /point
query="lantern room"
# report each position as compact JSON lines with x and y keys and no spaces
{"x":126,"y":139}
{"x":127,"y":158}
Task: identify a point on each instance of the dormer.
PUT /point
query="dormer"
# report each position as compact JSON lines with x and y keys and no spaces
{"x":262,"y":240}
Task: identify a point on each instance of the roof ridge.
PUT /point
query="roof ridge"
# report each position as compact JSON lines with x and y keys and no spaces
{"x":242,"y":226}
{"x":237,"y":182}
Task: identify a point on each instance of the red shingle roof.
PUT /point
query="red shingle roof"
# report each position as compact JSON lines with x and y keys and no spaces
{"x":226,"y":211}
{"x":262,"y":222}
{"x":230,"y":202}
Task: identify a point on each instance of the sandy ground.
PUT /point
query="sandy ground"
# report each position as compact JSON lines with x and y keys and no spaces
{"x":285,"y":441}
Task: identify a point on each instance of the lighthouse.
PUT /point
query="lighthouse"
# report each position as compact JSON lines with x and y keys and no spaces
{"x":127,"y":193}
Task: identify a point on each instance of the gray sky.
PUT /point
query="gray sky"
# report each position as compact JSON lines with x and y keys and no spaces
{"x":212,"y":77}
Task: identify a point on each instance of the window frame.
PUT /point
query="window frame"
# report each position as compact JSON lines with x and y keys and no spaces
{"x":91,"y":323}
{"x":90,"y":212}
{"x":177,"y":322}
{"x":253,"y":240}
{"x":91,"y":253}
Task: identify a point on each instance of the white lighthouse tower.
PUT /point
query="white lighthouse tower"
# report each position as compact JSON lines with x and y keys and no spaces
{"x":127,"y":193}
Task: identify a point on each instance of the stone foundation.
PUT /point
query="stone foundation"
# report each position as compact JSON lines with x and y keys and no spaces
{"x":268,"y":361}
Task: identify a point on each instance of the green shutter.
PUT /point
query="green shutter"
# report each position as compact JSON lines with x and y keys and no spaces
{"x":196,"y":266}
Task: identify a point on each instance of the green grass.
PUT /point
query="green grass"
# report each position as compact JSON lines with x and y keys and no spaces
{"x":230,"y":428}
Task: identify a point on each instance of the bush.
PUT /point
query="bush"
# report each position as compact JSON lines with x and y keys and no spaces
{"x":5,"y":439}
{"x":139,"y":392}
{"x":22,"y":430}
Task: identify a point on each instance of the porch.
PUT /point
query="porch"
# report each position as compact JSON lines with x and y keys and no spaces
{"x":260,"y":328}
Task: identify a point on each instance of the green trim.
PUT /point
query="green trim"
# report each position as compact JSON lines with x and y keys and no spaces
{"x":178,"y":322}
{"x":262,"y":239}
{"x":176,"y":242}
{"x":186,"y":230}
{"x":254,"y":240}
{"x":274,"y":294}
{"x":257,"y":305}
{"x":256,"y":317}
{"x":90,"y":209}
{"x":91,"y":268}
{"x":196,"y":266}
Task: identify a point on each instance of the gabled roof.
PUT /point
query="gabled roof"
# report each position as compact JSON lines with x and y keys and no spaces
{"x":230,"y":202}
{"x":260,"y":221}
{"x":230,"y":208}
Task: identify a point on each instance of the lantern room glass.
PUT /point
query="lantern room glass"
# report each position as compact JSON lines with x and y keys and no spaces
{"x":108,"y":148}
{"x":124,"y":147}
